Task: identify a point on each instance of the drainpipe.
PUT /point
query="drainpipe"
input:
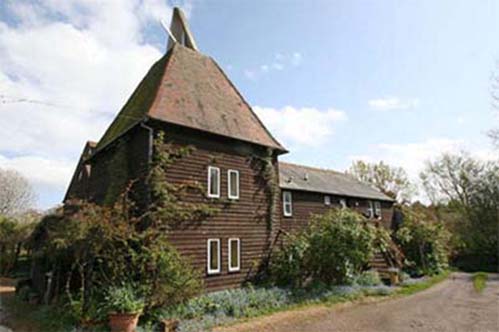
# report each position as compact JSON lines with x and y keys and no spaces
{"x":149,"y":153}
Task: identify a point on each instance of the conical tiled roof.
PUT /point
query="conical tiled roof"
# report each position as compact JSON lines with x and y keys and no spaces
{"x":189,"y":89}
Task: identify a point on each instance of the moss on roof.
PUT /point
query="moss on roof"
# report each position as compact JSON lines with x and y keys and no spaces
{"x":138,"y":104}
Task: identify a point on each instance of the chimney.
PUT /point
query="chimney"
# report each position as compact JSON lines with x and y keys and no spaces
{"x":180,"y":31}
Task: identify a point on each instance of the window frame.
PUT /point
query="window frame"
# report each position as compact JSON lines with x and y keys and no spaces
{"x":238,"y":267}
{"x":378,"y":211}
{"x":343,"y":203}
{"x":210,"y":195}
{"x":327,"y":200}
{"x":219,"y":265}
{"x":370,"y":209}
{"x":284,"y":203}
{"x":229,"y":183}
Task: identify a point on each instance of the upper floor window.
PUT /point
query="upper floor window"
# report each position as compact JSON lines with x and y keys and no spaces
{"x":343,"y":203}
{"x":234,"y":255}
{"x":213,"y":181}
{"x":213,"y":259}
{"x":233,"y":184}
{"x":327,"y":200}
{"x":287,"y":204}
{"x":370,"y":209}
{"x":377,"y":210}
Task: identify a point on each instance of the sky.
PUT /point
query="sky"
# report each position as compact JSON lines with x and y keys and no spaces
{"x":334,"y":81}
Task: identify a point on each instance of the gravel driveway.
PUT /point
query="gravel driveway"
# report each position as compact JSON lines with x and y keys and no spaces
{"x":452,"y":305}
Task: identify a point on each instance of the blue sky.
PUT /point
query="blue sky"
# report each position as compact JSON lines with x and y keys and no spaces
{"x":335,"y":81}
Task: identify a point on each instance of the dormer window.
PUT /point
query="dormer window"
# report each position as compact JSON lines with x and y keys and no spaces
{"x":213,"y":182}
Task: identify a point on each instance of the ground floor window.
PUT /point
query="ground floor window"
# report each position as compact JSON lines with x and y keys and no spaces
{"x":234,"y":255}
{"x":213,"y":256}
{"x":377,"y":210}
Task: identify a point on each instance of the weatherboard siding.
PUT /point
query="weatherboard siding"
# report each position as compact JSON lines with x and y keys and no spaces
{"x":306,"y":204}
{"x":244,"y":218}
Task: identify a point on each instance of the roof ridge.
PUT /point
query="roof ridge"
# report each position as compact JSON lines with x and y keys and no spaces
{"x":315,"y":168}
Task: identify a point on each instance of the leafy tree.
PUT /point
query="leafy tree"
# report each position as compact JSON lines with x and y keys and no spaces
{"x":14,"y":234}
{"x":392,"y":181}
{"x":16,"y":193}
{"x":424,"y":241}
{"x":466,"y":194}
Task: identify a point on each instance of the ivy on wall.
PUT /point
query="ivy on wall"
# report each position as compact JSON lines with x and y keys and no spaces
{"x":118,"y":173}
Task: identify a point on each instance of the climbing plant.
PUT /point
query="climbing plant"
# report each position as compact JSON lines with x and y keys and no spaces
{"x":268,"y":173}
{"x":91,"y":247}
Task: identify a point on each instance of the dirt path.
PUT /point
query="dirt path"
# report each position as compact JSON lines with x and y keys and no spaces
{"x":6,"y":289}
{"x":452,"y":305}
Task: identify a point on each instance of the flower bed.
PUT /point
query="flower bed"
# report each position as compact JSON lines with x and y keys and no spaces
{"x":221,"y":308}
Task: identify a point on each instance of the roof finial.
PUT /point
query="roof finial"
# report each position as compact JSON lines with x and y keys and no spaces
{"x":179,"y":31}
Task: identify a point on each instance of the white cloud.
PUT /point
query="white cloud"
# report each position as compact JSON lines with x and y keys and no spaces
{"x":66,"y":67}
{"x":393,"y":103}
{"x":300,"y":126}
{"x":280,"y":62}
{"x":296,"y":59}
{"x":44,"y":172}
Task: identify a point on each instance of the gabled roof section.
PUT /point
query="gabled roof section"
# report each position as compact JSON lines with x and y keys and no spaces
{"x":189,"y":89}
{"x":85,"y":154}
{"x":298,"y":177}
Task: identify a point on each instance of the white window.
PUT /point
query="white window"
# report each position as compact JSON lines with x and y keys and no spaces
{"x":327,"y":200}
{"x":234,"y":255}
{"x":233,"y":184}
{"x":377,"y":210}
{"x":287,"y":204}
{"x":343,"y":203}
{"x":213,"y":261}
{"x":370,"y":209}
{"x":213,"y":181}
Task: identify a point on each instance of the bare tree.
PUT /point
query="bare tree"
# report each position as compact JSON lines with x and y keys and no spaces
{"x":16,"y":193}
{"x":494,"y":133}
{"x":392,"y":181}
{"x":450,"y":178}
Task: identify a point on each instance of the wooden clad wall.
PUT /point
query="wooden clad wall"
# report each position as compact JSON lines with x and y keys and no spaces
{"x":245,"y":218}
{"x":305,"y":204}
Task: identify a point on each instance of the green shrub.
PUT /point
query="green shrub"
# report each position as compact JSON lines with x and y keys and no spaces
{"x":424,"y":243}
{"x":480,"y":281}
{"x":332,"y":249}
{"x":124,"y":299}
{"x":368,"y":278}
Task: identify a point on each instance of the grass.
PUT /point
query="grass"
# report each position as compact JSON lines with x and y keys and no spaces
{"x":480,"y":281}
{"x":431,"y":281}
